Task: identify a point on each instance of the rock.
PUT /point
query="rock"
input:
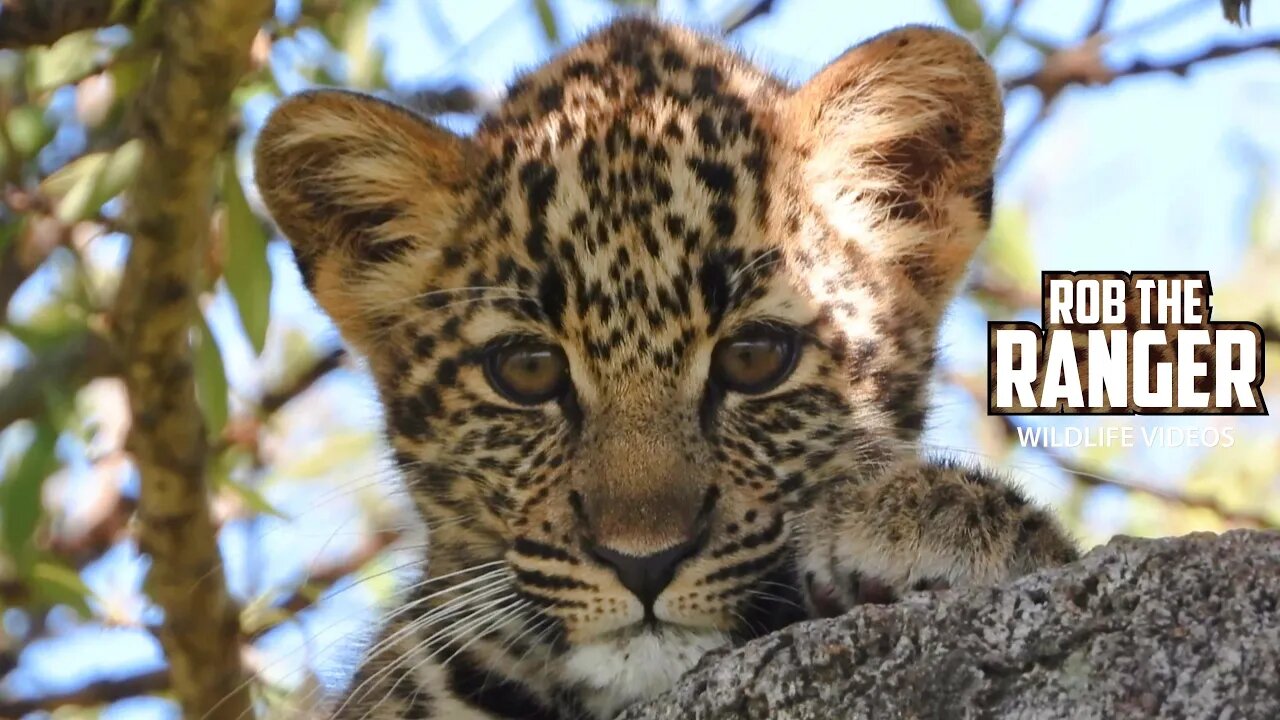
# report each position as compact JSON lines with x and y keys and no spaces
{"x":1185,"y":627}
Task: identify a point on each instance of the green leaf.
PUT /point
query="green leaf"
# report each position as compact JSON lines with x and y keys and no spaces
{"x":966,"y":14}
{"x":76,"y":204}
{"x":253,"y":499}
{"x":63,"y":180}
{"x":50,"y":327}
{"x":120,"y":10}
{"x":1008,"y":249}
{"x":69,"y":59}
{"x":148,"y":10}
{"x":81,"y":186}
{"x":378,"y":578}
{"x":364,"y":60}
{"x":1264,"y":218}
{"x":21,"y":505}
{"x":547,"y":18}
{"x":12,"y":72}
{"x":250,"y":90}
{"x":247,"y":272}
{"x":9,"y":231}
{"x":119,"y":172}
{"x":211,"y":380}
{"x":339,"y":448}
{"x":989,"y":39}
{"x":129,"y":73}
{"x":56,"y":584}
{"x":27,"y":129}
{"x":261,"y":614}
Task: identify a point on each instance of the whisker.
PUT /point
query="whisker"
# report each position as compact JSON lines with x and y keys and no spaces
{"x":489,"y":576}
{"x":483,"y":292}
{"x":775,"y":598}
{"x":449,"y":608}
{"x":366,"y":685}
{"x":497,"y":621}
{"x":451,"y":631}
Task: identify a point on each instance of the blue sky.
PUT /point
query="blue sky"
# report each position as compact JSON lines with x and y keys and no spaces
{"x":1152,"y":173}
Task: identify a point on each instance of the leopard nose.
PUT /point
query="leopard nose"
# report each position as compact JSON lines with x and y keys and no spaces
{"x":646,"y":576}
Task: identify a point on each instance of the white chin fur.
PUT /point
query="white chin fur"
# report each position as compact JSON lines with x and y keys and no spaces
{"x":615,"y":673}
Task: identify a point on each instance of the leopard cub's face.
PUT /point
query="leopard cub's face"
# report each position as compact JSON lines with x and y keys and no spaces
{"x":628,"y":331}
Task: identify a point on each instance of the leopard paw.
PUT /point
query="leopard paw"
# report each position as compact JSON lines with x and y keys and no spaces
{"x":922,"y":526}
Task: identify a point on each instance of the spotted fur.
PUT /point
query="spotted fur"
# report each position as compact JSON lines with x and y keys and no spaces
{"x":633,"y":201}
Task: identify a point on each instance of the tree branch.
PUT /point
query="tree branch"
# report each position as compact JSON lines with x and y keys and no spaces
{"x":279,"y":397}
{"x":1019,"y":142}
{"x":1084,"y":475}
{"x":323,"y":576}
{"x":93,"y":694}
{"x":319,"y":579}
{"x":452,"y":99}
{"x":1100,"y":17}
{"x":183,"y":125}
{"x":107,"y":524}
{"x":1083,"y":65}
{"x":16,"y":266}
{"x":735,"y":19}
{"x":1094,"y":478}
{"x":1237,"y":12}
{"x":35,"y":242}
{"x":244,"y":431}
{"x":14,"y":592}
{"x":469,"y":100}
{"x":76,"y":361}
{"x":1124,"y":632}
{"x":41,"y":22}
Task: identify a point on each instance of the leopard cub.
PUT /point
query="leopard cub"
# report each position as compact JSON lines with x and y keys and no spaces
{"x":653,"y":347}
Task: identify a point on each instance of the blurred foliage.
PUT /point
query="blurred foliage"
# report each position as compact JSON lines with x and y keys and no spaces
{"x":306,"y":469}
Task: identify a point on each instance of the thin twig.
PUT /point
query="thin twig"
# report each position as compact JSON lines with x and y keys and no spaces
{"x":1100,"y":17}
{"x":1092,"y":477}
{"x":1238,"y":12}
{"x":107,"y":522}
{"x":244,"y":431}
{"x":96,"y":693}
{"x":470,"y":100}
{"x":1019,"y":143}
{"x":323,"y":576}
{"x":740,"y":16}
{"x":1050,"y":83}
{"x":456,"y":98}
{"x":279,"y":397}
{"x":67,"y":366}
{"x":1169,"y":16}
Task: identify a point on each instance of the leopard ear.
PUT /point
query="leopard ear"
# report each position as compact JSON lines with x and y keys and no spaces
{"x":896,"y":142}
{"x":367,"y":193}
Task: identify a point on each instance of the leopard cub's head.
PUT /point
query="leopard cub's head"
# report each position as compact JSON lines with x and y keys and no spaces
{"x":631,"y":327}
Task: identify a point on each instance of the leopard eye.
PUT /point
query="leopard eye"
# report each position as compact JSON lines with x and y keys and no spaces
{"x":755,"y":360}
{"x":527,"y":372}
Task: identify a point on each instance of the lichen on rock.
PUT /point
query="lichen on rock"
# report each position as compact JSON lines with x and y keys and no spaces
{"x":1185,"y":627}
